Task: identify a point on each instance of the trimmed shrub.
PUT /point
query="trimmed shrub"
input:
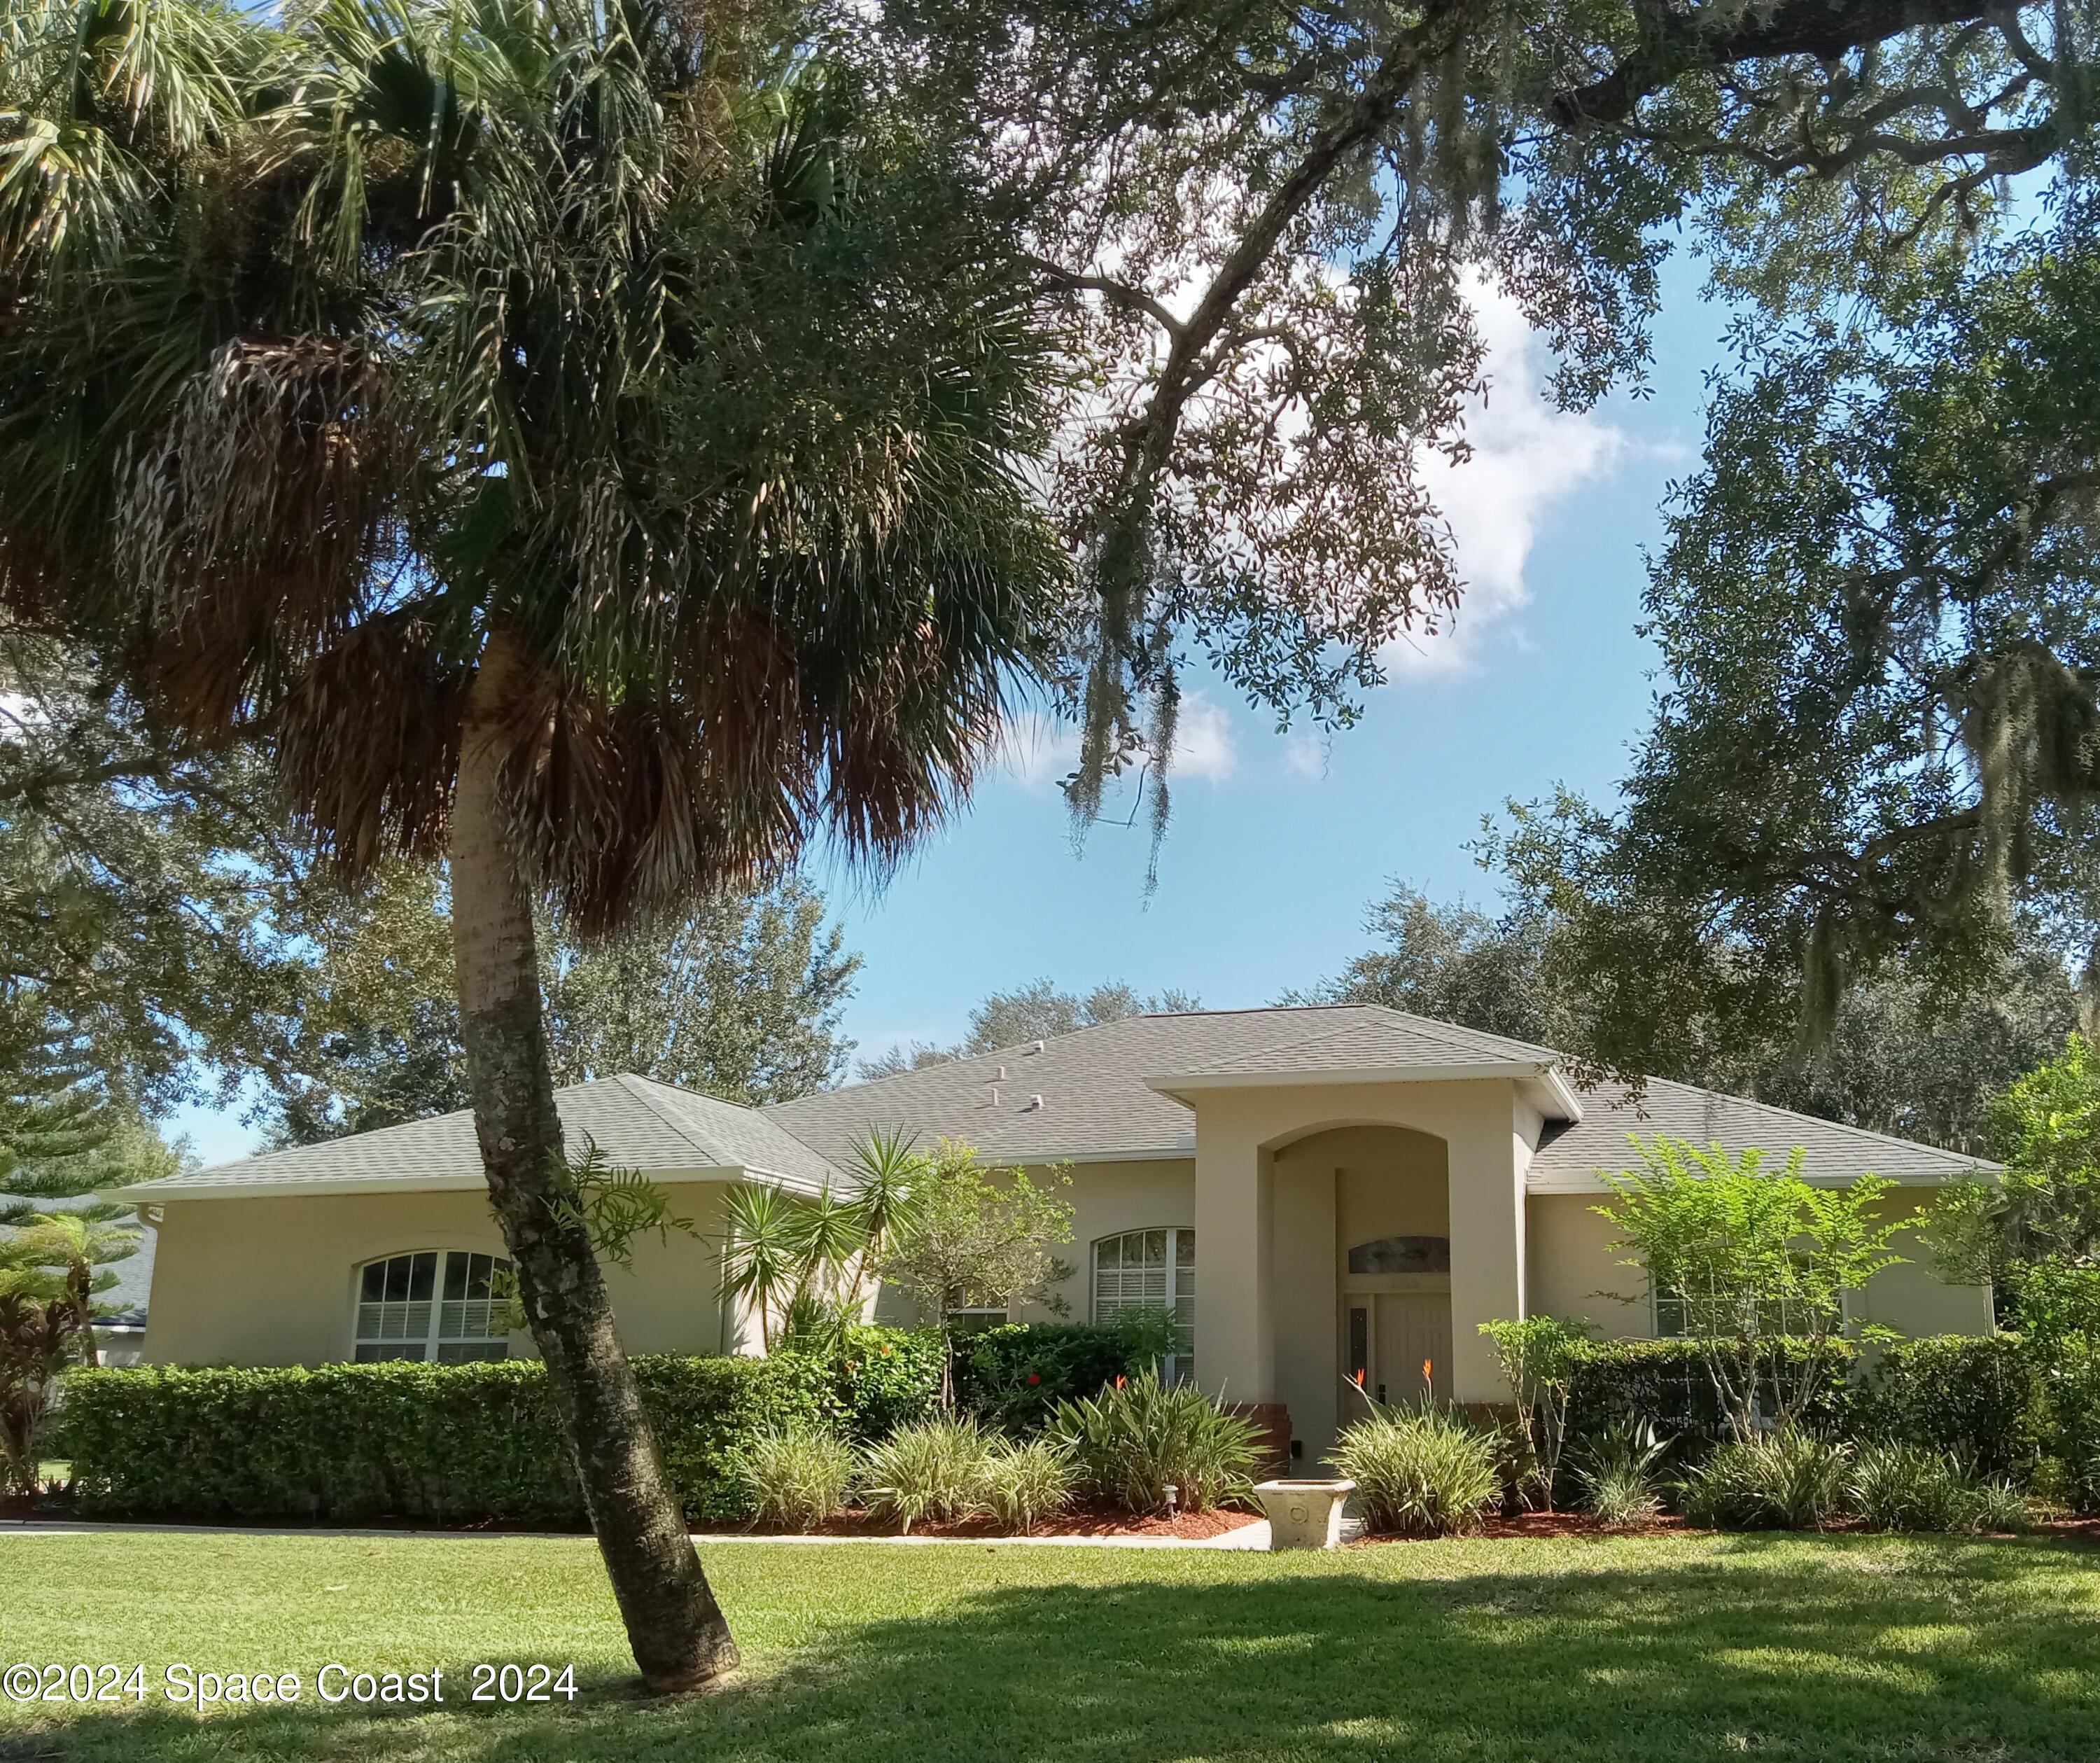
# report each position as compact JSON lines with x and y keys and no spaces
{"x":887,"y":1378}
{"x":796,"y":1476}
{"x":1421,"y":1472}
{"x":450,"y":1443}
{"x":1135,"y":1440}
{"x":1788,"y":1480}
{"x":931,"y":1470}
{"x":1024,"y":1479}
{"x":1979,"y":1398}
{"x":1666,"y":1383}
{"x":1014,"y":1377}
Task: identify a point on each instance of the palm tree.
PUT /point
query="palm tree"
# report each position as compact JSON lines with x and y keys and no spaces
{"x":579,"y":438}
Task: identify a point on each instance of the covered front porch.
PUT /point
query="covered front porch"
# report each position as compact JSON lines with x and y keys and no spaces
{"x":1355,"y":1232}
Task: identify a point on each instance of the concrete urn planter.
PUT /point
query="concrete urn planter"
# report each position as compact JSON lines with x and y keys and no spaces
{"x":1304,"y":1514}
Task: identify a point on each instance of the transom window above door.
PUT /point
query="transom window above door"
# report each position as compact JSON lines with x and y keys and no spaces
{"x":438,"y":1305}
{"x":1401,"y":1254}
{"x":1151,"y":1269}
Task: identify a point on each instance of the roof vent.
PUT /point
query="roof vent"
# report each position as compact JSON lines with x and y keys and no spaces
{"x":1035,"y":1104}
{"x":994,"y":1094}
{"x":1037,"y":1048}
{"x":1001,"y":1078}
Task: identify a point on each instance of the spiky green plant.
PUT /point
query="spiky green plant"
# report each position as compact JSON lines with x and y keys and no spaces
{"x":934,"y":1469}
{"x":797,"y":1477}
{"x":1421,"y":1472}
{"x":1023,"y":1480}
{"x":1139,"y":1436}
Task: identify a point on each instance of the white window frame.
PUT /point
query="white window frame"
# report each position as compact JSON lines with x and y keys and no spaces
{"x":1179,"y":1285}
{"x":974,"y":1318}
{"x":422,"y":1329}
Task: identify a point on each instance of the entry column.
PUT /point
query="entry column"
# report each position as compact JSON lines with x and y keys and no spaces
{"x":1487,"y":1174}
{"x":1235,"y":1309}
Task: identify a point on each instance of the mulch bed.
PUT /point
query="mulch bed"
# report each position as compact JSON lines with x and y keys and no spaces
{"x":1190,"y":1526}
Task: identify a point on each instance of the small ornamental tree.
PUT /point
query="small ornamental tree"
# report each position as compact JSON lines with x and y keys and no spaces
{"x":1750,"y":1255}
{"x":976,"y":1236}
{"x":1539,"y":1356}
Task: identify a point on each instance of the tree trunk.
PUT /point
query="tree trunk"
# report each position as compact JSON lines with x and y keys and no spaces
{"x":676,"y":1629}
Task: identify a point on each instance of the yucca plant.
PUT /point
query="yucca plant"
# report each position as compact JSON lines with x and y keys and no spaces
{"x":1620,"y":1472}
{"x":1421,"y":1472}
{"x":797,"y":1477}
{"x":579,"y":441}
{"x":1139,"y":1436}
{"x":1787,"y":1479}
{"x":1023,"y":1480}
{"x":934,"y":1469}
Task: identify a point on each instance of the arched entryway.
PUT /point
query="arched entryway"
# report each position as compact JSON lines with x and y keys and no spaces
{"x":1363,"y":1272}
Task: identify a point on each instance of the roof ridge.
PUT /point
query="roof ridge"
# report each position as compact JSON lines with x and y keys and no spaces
{"x":641,"y":1087}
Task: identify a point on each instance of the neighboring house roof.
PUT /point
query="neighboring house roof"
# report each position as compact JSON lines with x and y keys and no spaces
{"x":1098,"y":1094}
{"x":135,"y":1273}
{"x":635,"y":1124}
{"x":1569,"y":1159}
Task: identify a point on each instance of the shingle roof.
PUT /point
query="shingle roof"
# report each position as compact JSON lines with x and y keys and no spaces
{"x":1389,"y":1041}
{"x":1095,"y":1103}
{"x":1704,"y":1116}
{"x":636,"y":1123}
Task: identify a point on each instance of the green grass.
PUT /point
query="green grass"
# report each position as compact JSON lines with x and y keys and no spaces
{"x":1825,"y":1649}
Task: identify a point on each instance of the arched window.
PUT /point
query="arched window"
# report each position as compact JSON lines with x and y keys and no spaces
{"x":1401,"y":1254}
{"x":435,"y":1304}
{"x":1151,"y":1270}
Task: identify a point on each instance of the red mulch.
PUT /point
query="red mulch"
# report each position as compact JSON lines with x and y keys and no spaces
{"x":1080,"y":1521}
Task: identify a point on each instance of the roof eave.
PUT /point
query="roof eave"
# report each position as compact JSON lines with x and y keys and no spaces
{"x":175,"y":1187}
{"x":1561,"y":1099}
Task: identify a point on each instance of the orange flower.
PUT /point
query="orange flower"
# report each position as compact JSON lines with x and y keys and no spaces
{"x":1360,"y":1377}
{"x":1428,"y":1372}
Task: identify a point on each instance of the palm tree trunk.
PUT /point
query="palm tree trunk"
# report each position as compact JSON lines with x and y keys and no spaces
{"x":676,"y":1629}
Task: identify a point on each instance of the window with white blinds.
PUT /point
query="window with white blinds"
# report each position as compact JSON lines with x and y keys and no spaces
{"x":1151,"y":1269}
{"x":438,"y":1305}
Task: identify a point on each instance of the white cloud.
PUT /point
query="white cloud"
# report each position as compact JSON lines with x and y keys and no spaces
{"x":1305,"y":755}
{"x":1037,"y":750}
{"x":1203,"y":741}
{"x":1528,"y":458}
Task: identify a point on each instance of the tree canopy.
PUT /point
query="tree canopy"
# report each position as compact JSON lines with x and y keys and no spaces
{"x":739,"y":997}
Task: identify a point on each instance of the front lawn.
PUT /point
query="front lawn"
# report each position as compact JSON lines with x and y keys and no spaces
{"x":1686,"y":1647}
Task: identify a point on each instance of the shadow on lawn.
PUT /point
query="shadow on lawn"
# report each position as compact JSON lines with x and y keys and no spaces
{"x":1933,"y":1650}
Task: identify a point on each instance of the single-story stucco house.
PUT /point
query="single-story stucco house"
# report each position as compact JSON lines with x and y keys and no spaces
{"x":1366,"y":1188}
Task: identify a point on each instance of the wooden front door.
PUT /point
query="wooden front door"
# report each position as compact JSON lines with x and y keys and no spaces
{"x":1391,"y":1336}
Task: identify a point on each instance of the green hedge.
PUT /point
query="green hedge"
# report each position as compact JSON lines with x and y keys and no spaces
{"x":887,"y":1378}
{"x":1667,"y":1382}
{"x":1014,"y":1377}
{"x":1979,"y":1396}
{"x":450,"y":1443}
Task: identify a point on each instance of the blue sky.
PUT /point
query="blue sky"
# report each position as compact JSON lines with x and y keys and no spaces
{"x":1279,"y":843}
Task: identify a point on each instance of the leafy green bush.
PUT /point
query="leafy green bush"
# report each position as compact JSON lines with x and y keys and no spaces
{"x":1619,"y":1472}
{"x":933,"y":1468}
{"x":1024,"y":1479}
{"x":1789,"y":1480}
{"x":1666,"y":1383}
{"x":796,"y":1476}
{"x":1903,"y":1486}
{"x":1420,"y":1472}
{"x":452,"y":1443}
{"x":887,"y":1378}
{"x":1136,"y":1439}
{"x":1014,"y":1377}
{"x":1979,"y":1398}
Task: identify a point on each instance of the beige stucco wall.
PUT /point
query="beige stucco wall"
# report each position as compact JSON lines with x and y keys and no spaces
{"x":271,"y":1281}
{"x":1106,"y":1199}
{"x":1572,"y":1263}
